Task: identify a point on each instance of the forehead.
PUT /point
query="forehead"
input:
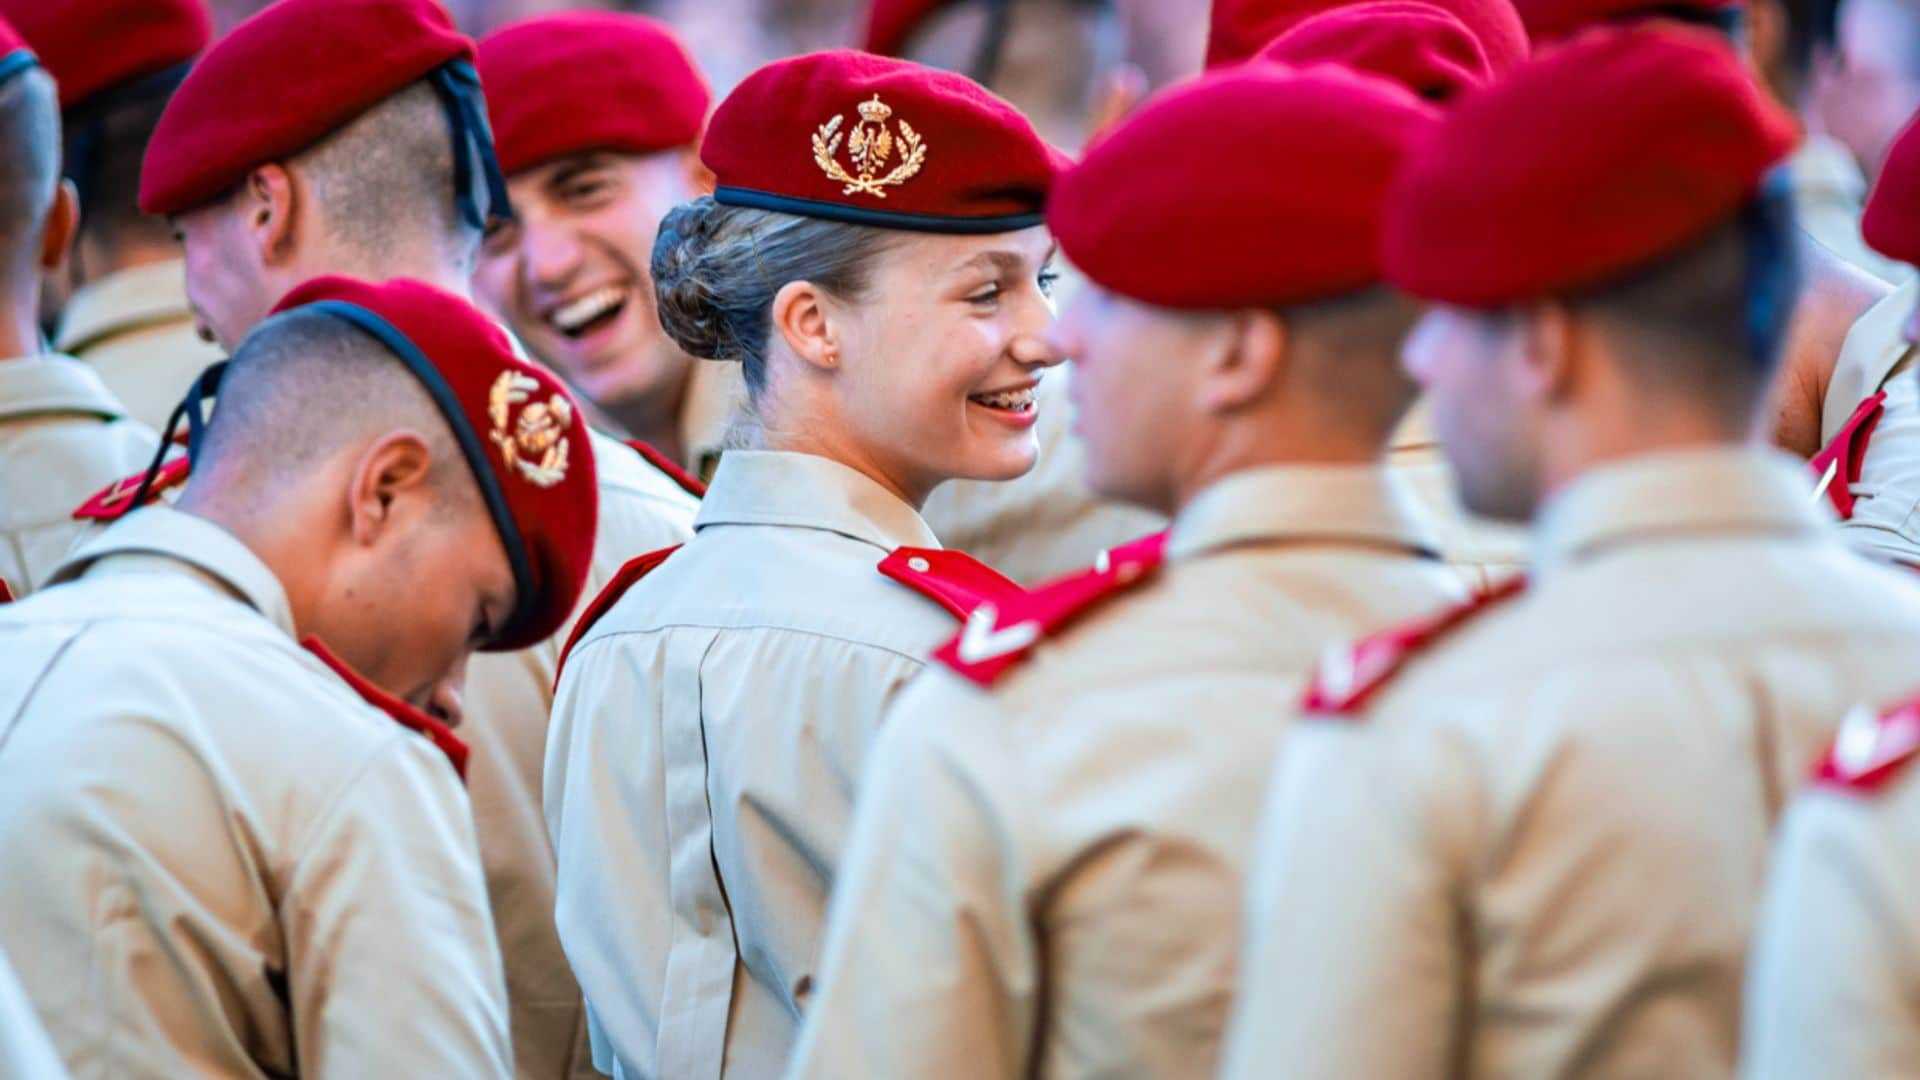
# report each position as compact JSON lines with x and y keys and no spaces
{"x":946,"y":253}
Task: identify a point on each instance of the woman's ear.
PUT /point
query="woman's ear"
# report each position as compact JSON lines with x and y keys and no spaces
{"x":393,"y":467}
{"x":1248,"y":365}
{"x":801,"y":318}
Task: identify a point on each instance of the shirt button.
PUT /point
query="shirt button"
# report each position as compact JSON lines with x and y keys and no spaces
{"x":919,"y":565}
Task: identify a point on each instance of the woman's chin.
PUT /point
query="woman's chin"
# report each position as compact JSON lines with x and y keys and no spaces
{"x":999,"y":460}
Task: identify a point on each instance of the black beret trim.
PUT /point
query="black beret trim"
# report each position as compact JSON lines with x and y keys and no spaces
{"x":883,"y":219}
{"x":471,"y":447}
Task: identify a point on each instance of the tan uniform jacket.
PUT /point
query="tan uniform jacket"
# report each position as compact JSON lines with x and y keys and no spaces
{"x":1834,"y":986}
{"x":706,"y":740}
{"x":1044,"y":878}
{"x":1481,"y":551}
{"x":25,"y":1050}
{"x":1884,"y":518}
{"x":1537,"y":850}
{"x":63,"y":436}
{"x":135,"y":328}
{"x":1829,"y":194}
{"x":217,"y":859}
{"x":508,"y":699}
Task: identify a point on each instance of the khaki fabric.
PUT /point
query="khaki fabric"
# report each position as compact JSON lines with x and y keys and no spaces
{"x":1044,"y":878}
{"x":25,"y":1050}
{"x":1876,"y":357}
{"x":1538,"y":850}
{"x":219,"y":860}
{"x":135,"y":328}
{"x":1483,"y":552}
{"x":1829,"y":193}
{"x":63,"y":437}
{"x":1834,"y":986}
{"x":706,"y":739}
{"x":508,"y":699}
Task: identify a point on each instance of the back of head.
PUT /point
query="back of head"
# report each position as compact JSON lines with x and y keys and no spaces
{"x":29,"y":161}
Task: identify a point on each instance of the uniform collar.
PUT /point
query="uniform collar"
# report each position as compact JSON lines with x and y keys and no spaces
{"x":806,"y":491}
{"x":1354,"y":504}
{"x":1822,"y":166}
{"x":163,"y":535}
{"x":51,"y":383}
{"x":122,"y":301}
{"x":1715,"y":492}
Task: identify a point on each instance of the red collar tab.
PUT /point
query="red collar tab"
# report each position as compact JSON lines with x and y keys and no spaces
{"x":955,"y":580}
{"x":1839,"y":464}
{"x":406,"y":715}
{"x":116,"y":499}
{"x":1871,"y":748}
{"x":1350,"y":675}
{"x":688,"y":482}
{"x":624,"y":578}
{"x":997,"y":637}
{"x":6,"y":592}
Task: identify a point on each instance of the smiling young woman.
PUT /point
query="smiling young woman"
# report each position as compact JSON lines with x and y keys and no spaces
{"x":875,"y":259}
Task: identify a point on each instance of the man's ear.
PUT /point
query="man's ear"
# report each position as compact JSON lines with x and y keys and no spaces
{"x":801,"y":318}
{"x":1248,"y":366}
{"x":1551,"y":352}
{"x":269,"y":198}
{"x":62,"y":223}
{"x":392,"y":468}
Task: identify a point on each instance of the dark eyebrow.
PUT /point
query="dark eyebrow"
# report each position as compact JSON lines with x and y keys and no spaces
{"x":585,"y":163}
{"x":1005,"y":262}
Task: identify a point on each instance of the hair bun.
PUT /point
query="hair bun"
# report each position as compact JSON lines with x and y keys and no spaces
{"x":685,"y":282}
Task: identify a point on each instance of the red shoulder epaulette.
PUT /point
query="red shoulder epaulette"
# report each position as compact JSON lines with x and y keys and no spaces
{"x":409,"y":717}
{"x":110,"y":502}
{"x":688,"y":482}
{"x":1349,"y":675}
{"x":953,"y":579}
{"x":6,"y":593}
{"x":1871,"y":748}
{"x":624,"y":578}
{"x":1838,"y":466}
{"x":999,"y":634}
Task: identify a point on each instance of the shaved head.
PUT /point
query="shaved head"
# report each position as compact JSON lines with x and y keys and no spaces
{"x":29,"y":167}
{"x":1345,"y":352}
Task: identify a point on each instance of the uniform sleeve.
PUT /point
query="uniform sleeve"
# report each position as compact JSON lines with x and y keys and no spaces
{"x":1354,"y":961}
{"x":928,"y":969}
{"x":1833,"y":983}
{"x":394,"y":970}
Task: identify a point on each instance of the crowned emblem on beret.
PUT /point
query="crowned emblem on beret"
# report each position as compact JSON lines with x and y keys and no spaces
{"x":870,"y":146}
{"x":533,"y":444}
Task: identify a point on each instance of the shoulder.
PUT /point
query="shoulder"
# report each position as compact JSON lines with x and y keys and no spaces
{"x":1349,"y":676}
{"x":624,"y":579}
{"x":114,"y":500}
{"x":998,"y":635}
{"x":1871,"y":749}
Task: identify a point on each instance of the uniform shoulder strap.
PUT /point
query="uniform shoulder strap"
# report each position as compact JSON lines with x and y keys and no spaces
{"x":1871,"y":748}
{"x":997,"y":636}
{"x":953,"y":579}
{"x":1838,"y":466}
{"x":6,"y":592}
{"x":1350,"y":675}
{"x":406,"y":715}
{"x":114,"y":500}
{"x":624,"y":578}
{"x":688,"y":482}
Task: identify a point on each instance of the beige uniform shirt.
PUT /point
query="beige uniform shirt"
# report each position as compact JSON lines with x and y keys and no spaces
{"x":1537,"y":850}
{"x":1481,"y":551}
{"x":1046,"y":523}
{"x":136,"y":329}
{"x":508,"y":699}
{"x":1829,"y":194}
{"x":1834,"y":987}
{"x":218,"y":859}
{"x":706,"y":740}
{"x":1876,"y":358}
{"x":63,"y":436}
{"x":25,"y":1050}
{"x":1044,"y":878}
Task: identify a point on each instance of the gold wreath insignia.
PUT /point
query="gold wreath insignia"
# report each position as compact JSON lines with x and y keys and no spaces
{"x":870,"y":146}
{"x":533,"y":445}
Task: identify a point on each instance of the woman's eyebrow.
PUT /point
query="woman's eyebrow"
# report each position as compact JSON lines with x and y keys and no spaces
{"x":1005,"y":262}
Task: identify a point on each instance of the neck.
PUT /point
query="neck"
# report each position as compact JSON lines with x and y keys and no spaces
{"x":19,"y":324}
{"x":655,"y":419}
{"x":1571,"y":449}
{"x":1303,"y":437}
{"x":283,"y":544}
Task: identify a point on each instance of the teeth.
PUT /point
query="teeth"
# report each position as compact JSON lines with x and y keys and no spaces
{"x":1010,"y":400}
{"x":572,"y":317}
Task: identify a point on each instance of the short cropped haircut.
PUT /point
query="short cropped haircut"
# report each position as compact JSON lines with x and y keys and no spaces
{"x":29,"y":165}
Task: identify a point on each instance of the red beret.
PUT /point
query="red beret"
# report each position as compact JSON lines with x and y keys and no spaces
{"x":589,"y":80}
{"x":520,"y":431}
{"x":1198,"y":201}
{"x":1891,"y":223}
{"x":1551,"y":20}
{"x":891,"y":22}
{"x":1598,"y":157}
{"x":1241,"y":28}
{"x":1424,"y":48}
{"x":94,"y":45}
{"x":850,"y":136}
{"x":283,"y":80}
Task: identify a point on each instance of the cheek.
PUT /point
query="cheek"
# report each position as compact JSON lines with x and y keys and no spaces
{"x":492,"y":286}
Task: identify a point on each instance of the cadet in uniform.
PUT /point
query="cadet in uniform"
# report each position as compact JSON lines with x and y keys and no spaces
{"x":223,"y":853}
{"x":589,"y":187}
{"x":1045,"y":870}
{"x":62,"y":432}
{"x":874,"y":256}
{"x":355,"y":163}
{"x":117,"y":62}
{"x":1525,"y":837}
